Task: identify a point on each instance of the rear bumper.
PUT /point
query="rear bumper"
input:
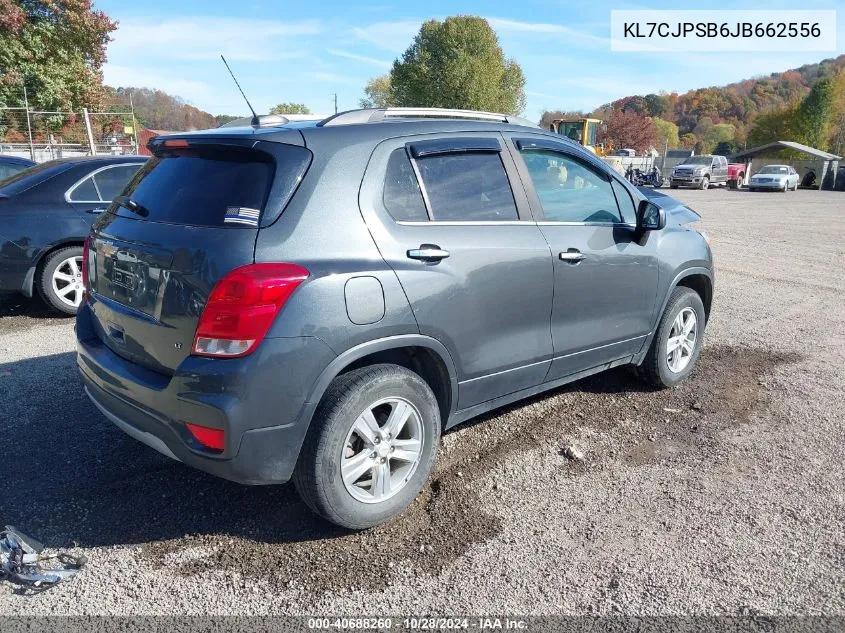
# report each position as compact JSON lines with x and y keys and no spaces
{"x":259,"y":401}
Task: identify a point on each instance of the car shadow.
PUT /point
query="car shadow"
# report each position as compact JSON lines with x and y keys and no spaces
{"x":72,"y":478}
{"x":15,"y":305}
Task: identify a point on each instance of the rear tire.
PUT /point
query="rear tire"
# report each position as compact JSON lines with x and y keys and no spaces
{"x":60,"y":280}
{"x":348,"y":470}
{"x":660,"y":369}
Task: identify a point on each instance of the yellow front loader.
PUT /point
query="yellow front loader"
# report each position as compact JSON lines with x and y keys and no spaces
{"x":584,"y":131}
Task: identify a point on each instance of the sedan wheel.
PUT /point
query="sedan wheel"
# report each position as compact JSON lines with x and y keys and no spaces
{"x":60,"y":281}
{"x":67,"y":282}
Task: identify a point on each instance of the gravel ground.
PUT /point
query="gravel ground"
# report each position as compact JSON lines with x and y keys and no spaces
{"x":724,"y":496}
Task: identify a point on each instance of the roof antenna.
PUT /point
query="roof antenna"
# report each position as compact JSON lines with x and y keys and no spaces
{"x":255,"y":120}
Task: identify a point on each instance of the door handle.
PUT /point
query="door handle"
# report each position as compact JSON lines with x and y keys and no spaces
{"x":428,"y":253}
{"x":95,"y":211}
{"x":572,"y":256}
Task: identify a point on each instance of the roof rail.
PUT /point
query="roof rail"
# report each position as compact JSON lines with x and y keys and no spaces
{"x":376,"y":115}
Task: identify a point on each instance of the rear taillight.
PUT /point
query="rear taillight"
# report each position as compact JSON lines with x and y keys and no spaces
{"x":85,"y":265}
{"x":215,"y":439}
{"x":242,"y":306}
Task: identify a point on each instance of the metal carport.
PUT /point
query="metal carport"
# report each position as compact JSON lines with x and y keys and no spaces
{"x":822,"y":164}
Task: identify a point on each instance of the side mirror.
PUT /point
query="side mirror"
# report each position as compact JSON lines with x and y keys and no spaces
{"x":650,"y":217}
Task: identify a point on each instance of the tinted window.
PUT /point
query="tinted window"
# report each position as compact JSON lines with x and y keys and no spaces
{"x":467,"y":187}
{"x":211,"y":186}
{"x":402,"y":196}
{"x":33,"y":176}
{"x":626,"y":203}
{"x":110,"y":182}
{"x":7,"y":170}
{"x":569,"y":190}
{"x":85,"y":192}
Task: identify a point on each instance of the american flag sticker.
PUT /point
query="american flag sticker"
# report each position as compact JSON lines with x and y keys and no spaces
{"x":241,"y":215}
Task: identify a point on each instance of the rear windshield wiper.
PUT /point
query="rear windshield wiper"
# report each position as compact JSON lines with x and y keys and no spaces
{"x":127,"y":203}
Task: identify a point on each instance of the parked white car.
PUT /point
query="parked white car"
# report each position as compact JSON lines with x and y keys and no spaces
{"x":774,"y":177}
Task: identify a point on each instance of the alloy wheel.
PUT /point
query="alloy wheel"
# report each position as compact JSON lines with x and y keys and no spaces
{"x":67,"y":281}
{"x":382,"y":450}
{"x":681,"y":342}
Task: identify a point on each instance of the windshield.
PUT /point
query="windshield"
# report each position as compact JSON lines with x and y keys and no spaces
{"x":774,"y":169}
{"x":698,"y":160}
{"x":571,"y":130}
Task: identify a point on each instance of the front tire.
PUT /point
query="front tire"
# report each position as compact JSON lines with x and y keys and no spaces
{"x":370,"y":448}
{"x":677,"y":343}
{"x":60,"y":281}
{"x":705,"y":183}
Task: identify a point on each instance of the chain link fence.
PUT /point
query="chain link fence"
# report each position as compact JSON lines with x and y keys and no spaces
{"x":43,"y":136}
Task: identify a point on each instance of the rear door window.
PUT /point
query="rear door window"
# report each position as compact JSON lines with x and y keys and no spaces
{"x":110,"y":182}
{"x":470,"y":186}
{"x":210,"y":185}
{"x":103,"y":185}
{"x":85,"y":191}
{"x":402,"y":196}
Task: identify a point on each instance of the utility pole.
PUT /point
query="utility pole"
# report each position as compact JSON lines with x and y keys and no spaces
{"x":28,"y":124}
{"x":88,"y":132}
{"x":134,"y":123}
{"x":335,"y":102}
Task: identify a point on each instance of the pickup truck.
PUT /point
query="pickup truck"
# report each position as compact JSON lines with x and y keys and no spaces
{"x":705,"y":170}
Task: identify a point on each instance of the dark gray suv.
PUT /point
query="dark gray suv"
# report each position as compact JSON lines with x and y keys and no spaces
{"x":318,"y":302}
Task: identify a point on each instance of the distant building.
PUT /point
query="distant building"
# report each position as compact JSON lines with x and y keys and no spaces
{"x":145,"y":136}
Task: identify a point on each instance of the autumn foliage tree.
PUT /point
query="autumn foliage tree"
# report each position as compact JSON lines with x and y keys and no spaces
{"x":56,"y":48}
{"x":157,"y":110}
{"x":630,"y":129}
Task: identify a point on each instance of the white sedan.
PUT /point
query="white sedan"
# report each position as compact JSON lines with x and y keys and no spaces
{"x":774,"y":177}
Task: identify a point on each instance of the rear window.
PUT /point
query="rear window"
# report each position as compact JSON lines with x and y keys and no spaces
{"x":468,"y":187}
{"x":23,"y":180}
{"x":208,"y":186}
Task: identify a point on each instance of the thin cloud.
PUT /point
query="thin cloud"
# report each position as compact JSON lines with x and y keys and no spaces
{"x":516,"y":27}
{"x":390,"y":36}
{"x":197,"y":38}
{"x":381,"y":63}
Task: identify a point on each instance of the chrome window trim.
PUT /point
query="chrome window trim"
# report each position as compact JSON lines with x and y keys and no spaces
{"x":420,"y":184}
{"x":464,"y":222}
{"x":75,"y":185}
{"x":558,"y":223}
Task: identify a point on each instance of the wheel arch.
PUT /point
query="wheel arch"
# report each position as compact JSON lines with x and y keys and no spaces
{"x":701,"y":283}
{"x":421,"y":354}
{"x":696,"y":278}
{"x":28,"y":288}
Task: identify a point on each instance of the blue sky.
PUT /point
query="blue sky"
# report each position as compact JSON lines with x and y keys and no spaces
{"x":304,"y":52}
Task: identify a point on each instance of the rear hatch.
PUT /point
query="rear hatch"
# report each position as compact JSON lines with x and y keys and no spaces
{"x":190,"y":215}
